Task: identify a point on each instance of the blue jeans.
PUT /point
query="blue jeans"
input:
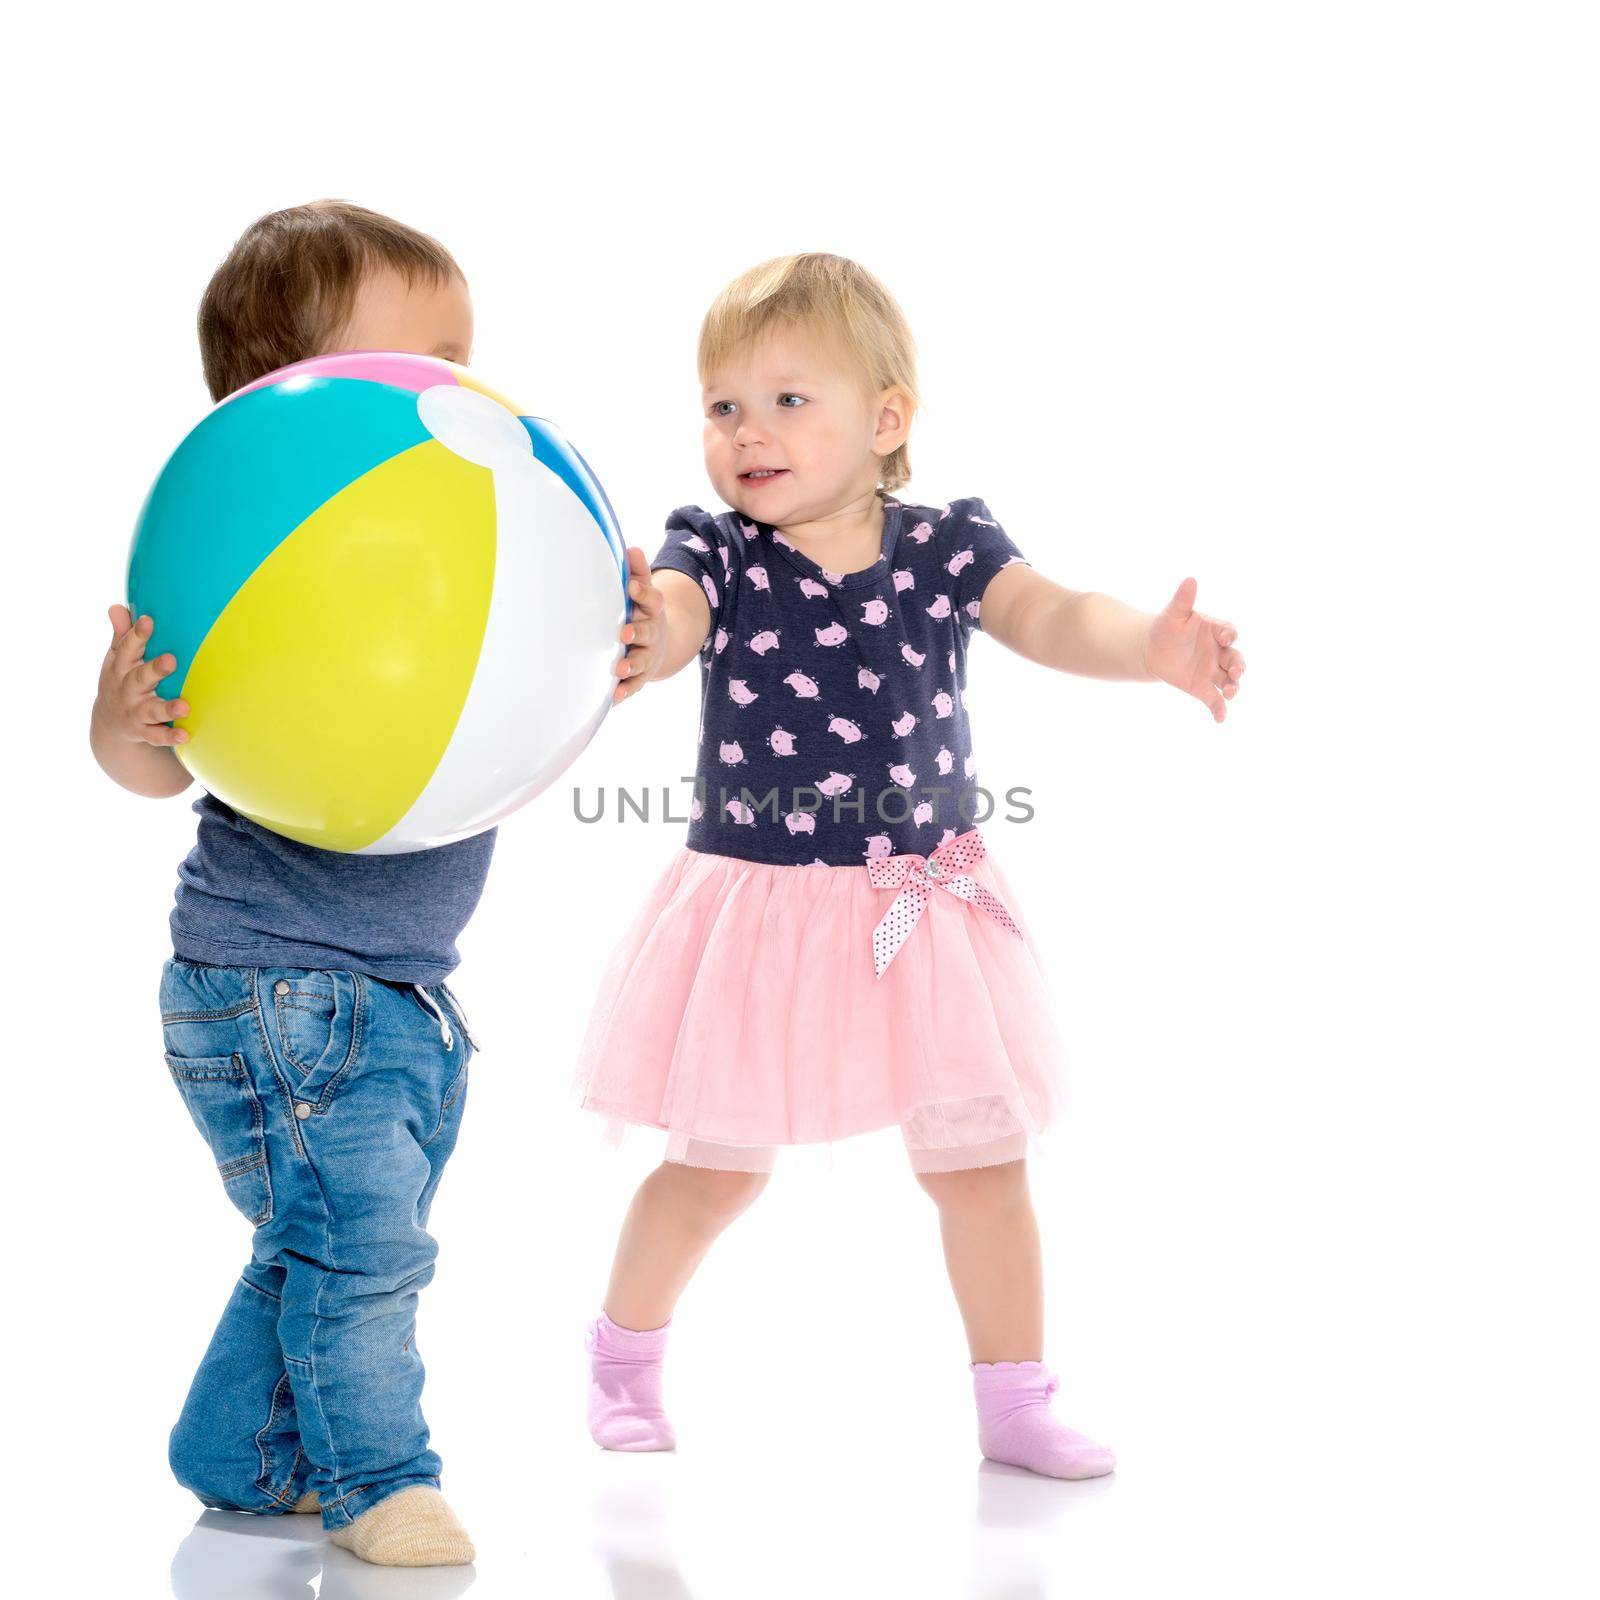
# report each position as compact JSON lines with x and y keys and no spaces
{"x":331,"y":1102}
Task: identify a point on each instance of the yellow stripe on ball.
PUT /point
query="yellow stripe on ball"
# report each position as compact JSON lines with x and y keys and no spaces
{"x":335,"y":747}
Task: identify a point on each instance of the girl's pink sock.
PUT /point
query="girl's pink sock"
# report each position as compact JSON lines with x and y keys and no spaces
{"x":625,"y":1387}
{"x":1015,"y":1424}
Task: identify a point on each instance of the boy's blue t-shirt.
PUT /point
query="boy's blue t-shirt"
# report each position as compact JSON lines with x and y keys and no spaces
{"x":250,"y":898}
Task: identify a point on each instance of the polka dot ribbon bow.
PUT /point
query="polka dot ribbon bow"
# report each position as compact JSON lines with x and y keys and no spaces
{"x":916,"y":877}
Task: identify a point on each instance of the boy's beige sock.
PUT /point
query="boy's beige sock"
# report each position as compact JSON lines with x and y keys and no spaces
{"x":307,"y":1502}
{"x":415,"y":1528}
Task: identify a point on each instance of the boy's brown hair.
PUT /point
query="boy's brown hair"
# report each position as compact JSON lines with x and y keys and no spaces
{"x":288,"y":285}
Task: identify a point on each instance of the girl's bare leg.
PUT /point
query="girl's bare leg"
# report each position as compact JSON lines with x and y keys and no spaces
{"x":991,"y":1247}
{"x":991,"y":1250}
{"x":675,"y":1218}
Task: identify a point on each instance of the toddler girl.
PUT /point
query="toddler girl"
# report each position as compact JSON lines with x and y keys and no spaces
{"x":835,"y":950}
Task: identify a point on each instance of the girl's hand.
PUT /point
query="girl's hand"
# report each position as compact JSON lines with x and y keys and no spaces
{"x":1194,"y":652}
{"x":126,"y":710}
{"x":643,"y":633}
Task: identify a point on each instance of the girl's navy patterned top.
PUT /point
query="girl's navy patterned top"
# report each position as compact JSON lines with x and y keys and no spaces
{"x":833,"y":725}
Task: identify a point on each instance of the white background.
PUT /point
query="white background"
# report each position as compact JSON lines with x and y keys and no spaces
{"x":1298,"y":298}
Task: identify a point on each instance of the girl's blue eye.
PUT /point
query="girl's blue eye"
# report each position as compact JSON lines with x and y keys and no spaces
{"x":717,"y":405}
{"x":783,"y":397}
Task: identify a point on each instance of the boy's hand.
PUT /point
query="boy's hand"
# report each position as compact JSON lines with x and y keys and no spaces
{"x":1194,"y":652}
{"x":643,"y":632}
{"x":126,"y":710}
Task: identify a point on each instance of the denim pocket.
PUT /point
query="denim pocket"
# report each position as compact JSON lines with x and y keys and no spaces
{"x":315,"y":1025}
{"x":304,"y":1006}
{"x":222,"y":1101}
{"x":454,"y":1101}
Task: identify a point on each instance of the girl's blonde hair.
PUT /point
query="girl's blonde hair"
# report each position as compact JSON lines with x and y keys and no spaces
{"x":825,"y":294}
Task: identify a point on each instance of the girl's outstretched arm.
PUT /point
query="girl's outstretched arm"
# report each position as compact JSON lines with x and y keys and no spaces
{"x":1096,"y":636}
{"x":670,"y":621}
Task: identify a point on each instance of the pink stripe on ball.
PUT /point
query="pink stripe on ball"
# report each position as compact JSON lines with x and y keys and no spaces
{"x":395,"y":368}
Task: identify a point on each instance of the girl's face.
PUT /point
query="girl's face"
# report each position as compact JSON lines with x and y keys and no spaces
{"x":424,"y":319}
{"x":792,"y":435}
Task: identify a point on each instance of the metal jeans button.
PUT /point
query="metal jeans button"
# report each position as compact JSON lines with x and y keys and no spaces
{"x":281,"y":987}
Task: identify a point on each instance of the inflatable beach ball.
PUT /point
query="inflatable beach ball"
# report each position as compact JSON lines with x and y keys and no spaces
{"x":393,"y":600}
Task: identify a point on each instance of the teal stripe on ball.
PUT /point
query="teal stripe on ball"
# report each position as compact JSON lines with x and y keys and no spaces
{"x":241,"y":483}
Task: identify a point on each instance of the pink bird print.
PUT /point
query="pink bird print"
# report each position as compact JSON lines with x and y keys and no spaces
{"x":834,"y":633}
{"x":803,"y":686}
{"x":902,"y":775}
{"x":945,"y":761}
{"x":721,"y":640}
{"x":741,"y":693}
{"x":961,"y":559}
{"x":835,"y":578}
{"x":972,"y":607}
{"x":727,"y":559}
{"x":875,"y":612}
{"x":845,"y":728}
{"x":741,"y":813}
{"x":969,"y":766}
{"x":758,"y":576}
{"x":778,"y":538}
{"x":764,"y":641}
{"x":695,"y":542}
{"x":696,"y":810}
{"x":800,"y":822}
{"x":878,"y":846}
{"x":940,"y":607}
{"x":982,"y":522}
{"x":952,"y":660}
{"x":949,"y":834}
{"x":730,"y":752}
{"x":867,"y":679}
{"x":835,"y":783}
{"x":914,"y":657}
{"x":811,"y":589}
{"x":923,"y":814}
{"x":921,"y":533}
{"x":710,"y":589}
{"x":748,"y":529}
{"x":945,"y":513}
{"x":904,"y":578}
{"x":943,"y":705}
{"x":904,"y":724}
{"x":782,"y":742}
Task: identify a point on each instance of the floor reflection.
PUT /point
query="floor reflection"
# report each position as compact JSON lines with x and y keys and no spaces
{"x":633,"y":1538}
{"x":230,"y":1556}
{"x":1018,"y":1529}
{"x":1019,"y":1524}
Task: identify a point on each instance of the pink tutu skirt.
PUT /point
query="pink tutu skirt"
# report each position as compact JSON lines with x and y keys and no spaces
{"x":743,"y":1010}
